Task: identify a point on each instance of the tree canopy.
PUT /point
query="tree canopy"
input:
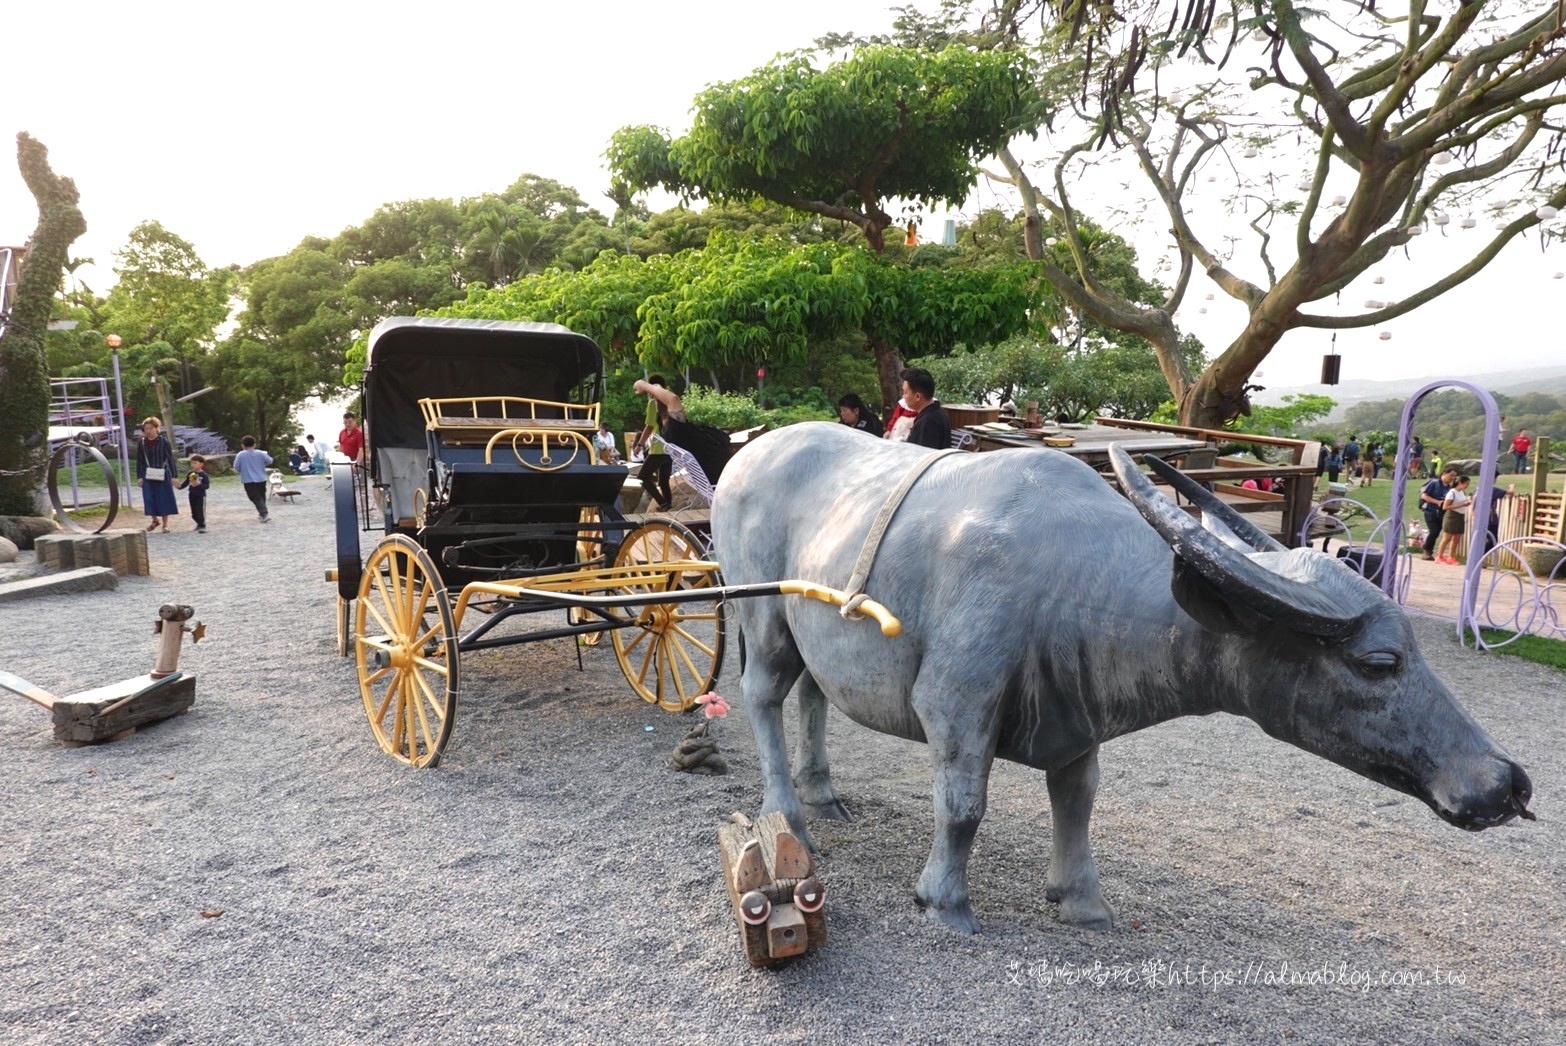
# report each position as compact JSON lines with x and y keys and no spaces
{"x":843,"y":139}
{"x":756,"y":301}
{"x":1410,"y":116}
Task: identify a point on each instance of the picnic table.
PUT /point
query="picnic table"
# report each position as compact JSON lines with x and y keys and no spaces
{"x":1195,"y":453}
{"x":1091,"y":442}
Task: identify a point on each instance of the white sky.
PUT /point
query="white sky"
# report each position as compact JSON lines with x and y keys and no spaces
{"x":245,"y":129}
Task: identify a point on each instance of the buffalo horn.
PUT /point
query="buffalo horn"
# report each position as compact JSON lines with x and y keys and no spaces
{"x":1233,"y":573}
{"x":1212,"y":505}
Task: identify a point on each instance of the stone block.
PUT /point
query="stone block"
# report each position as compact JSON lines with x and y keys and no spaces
{"x":123,"y":551}
{"x":87,"y":579}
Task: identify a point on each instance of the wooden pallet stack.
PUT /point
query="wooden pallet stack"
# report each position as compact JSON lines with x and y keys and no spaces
{"x":123,"y":550}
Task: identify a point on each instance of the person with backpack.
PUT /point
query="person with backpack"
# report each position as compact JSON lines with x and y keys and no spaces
{"x":1351,"y":458}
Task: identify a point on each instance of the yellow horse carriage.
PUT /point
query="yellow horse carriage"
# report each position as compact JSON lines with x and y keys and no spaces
{"x":480,"y":472}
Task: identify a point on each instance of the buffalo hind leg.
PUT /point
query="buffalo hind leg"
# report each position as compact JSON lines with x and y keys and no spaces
{"x":1073,"y":876}
{"x":772,"y":663}
{"x":812,"y":775}
{"x":963,"y":751}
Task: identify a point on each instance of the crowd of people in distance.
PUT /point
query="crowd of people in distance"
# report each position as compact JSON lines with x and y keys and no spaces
{"x":1445,"y":500}
{"x":1356,"y":464}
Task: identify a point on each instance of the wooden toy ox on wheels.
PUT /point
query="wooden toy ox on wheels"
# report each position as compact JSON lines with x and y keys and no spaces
{"x":1043,"y":615}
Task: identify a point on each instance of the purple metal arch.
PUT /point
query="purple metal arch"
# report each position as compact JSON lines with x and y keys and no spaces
{"x":1466,"y":619}
{"x":1358,"y":557}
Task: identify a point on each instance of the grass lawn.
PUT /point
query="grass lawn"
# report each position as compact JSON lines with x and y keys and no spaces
{"x":1545,"y":651}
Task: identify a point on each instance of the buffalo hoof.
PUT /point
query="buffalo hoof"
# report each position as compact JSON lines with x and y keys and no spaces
{"x":960,"y":919}
{"x":956,"y":914}
{"x":1084,"y":913}
{"x":831,"y":810}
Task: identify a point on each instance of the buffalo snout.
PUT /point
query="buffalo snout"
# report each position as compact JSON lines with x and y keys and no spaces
{"x":1484,"y":808}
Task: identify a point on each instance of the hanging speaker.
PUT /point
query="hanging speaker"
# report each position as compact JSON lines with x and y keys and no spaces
{"x":1329,"y":368}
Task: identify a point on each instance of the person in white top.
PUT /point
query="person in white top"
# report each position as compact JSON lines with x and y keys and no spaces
{"x":603,"y":442}
{"x":1454,"y":516}
{"x":320,"y":453}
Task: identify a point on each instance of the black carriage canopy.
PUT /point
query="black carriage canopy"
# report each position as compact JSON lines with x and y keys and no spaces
{"x":412,"y":358}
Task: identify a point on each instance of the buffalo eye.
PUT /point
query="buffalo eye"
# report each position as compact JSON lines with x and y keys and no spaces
{"x":1379,"y":663}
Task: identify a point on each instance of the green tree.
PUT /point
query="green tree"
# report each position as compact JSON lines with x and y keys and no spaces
{"x":1411,"y":118}
{"x":301,"y":313}
{"x":1288,"y":418}
{"x":842,"y":141}
{"x":165,"y":292}
{"x":740,"y":303}
{"x":24,"y":382}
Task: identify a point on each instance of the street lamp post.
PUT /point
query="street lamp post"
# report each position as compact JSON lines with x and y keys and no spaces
{"x":113,"y":341}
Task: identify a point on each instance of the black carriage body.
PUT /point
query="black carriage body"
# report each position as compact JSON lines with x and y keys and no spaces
{"x":519,"y":513}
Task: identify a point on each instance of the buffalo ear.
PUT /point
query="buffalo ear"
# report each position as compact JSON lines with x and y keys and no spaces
{"x":1205,"y":603}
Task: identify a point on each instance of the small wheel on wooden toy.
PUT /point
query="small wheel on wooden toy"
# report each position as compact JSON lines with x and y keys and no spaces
{"x":671,"y":655}
{"x":405,"y":642}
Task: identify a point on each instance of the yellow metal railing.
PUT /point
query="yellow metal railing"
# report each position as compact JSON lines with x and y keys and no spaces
{"x":505,"y":412}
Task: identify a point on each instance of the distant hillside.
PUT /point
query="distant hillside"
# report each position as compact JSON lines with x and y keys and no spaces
{"x":1549,"y":380}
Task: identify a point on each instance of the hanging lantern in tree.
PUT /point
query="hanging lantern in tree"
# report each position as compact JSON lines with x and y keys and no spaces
{"x":1331,"y":363}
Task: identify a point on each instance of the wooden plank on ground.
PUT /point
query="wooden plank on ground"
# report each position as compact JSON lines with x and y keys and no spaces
{"x":22,"y":688}
{"x":107,"y":711}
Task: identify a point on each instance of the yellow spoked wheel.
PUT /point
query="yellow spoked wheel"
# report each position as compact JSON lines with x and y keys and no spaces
{"x":405,"y":641}
{"x":673,"y":652}
{"x":344,"y":627}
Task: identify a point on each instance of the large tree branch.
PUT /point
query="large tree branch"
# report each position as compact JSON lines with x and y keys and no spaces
{"x":1417,"y":61}
{"x":1354,"y":136}
{"x":1490,"y":95}
{"x":1302,"y":242}
{"x":1480,"y":172}
{"x":1237,"y":288}
{"x":1032,"y":233}
{"x":1368,"y":254}
{"x":1458,"y":276}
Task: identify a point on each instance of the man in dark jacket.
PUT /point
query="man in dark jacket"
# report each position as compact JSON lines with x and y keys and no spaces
{"x":932,"y":426}
{"x":1431,"y":498}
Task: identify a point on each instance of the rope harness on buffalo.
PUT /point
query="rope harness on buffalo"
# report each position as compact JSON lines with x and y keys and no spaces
{"x":855,"y":589}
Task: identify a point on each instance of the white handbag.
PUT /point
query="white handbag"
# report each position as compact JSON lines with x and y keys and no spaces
{"x":156,"y":475}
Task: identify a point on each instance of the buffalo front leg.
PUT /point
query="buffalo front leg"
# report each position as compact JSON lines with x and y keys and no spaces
{"x":1073,"y":875}
{"x":812,"y":775}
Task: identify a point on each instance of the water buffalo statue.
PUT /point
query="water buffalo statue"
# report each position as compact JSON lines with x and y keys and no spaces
{"x":1044,"y":614}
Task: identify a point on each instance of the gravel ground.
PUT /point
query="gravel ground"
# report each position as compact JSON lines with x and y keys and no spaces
{"x":554,"y":881}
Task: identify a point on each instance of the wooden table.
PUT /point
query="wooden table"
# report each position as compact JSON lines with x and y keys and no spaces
{"x":1282,"y":515}
{"x":1092,"y":443}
